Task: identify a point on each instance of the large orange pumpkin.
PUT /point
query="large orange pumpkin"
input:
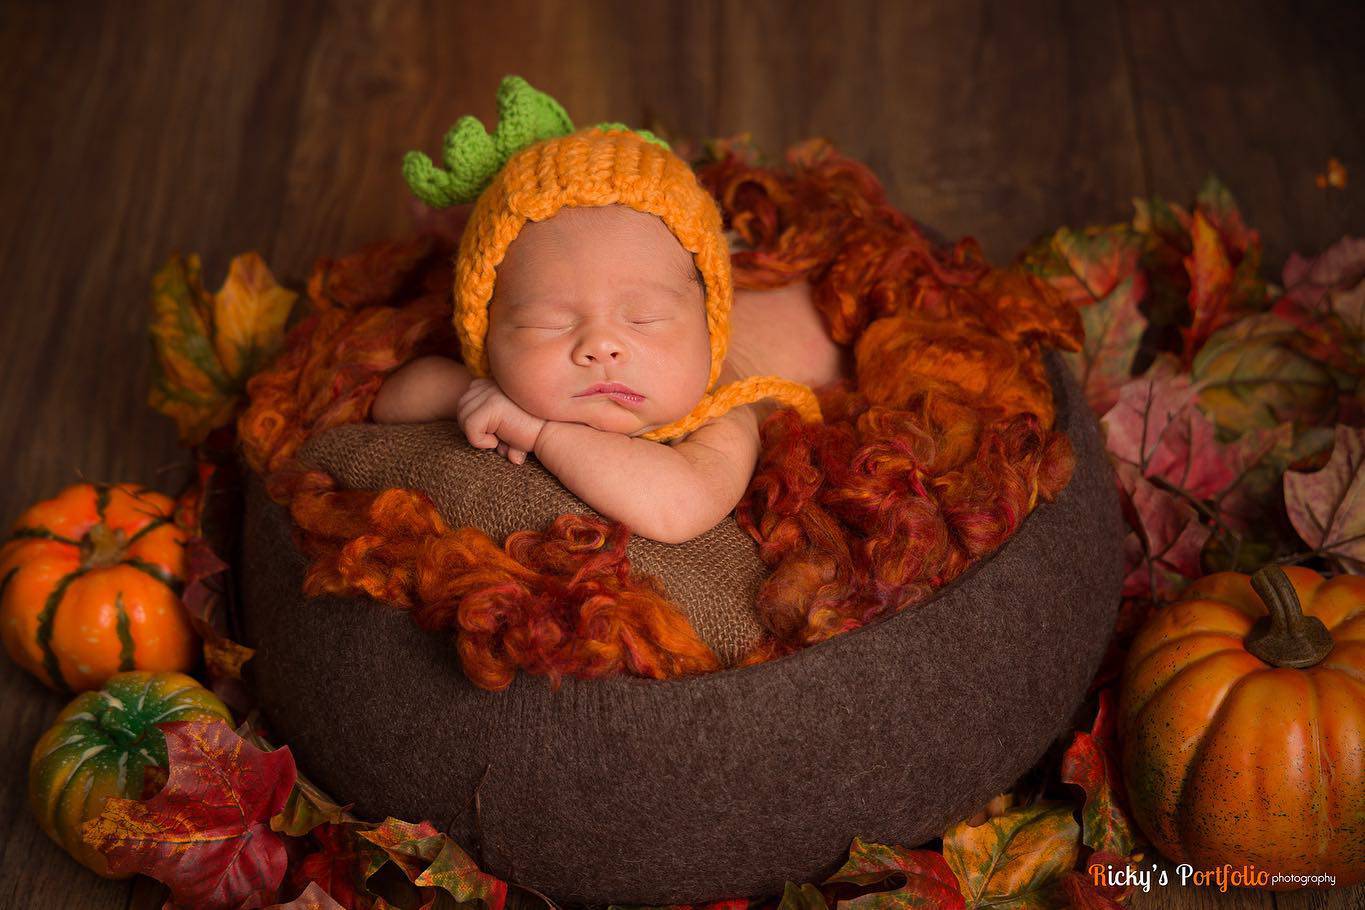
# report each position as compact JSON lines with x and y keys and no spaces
{"x":90,"y":586}
{"x":1242,"y":724}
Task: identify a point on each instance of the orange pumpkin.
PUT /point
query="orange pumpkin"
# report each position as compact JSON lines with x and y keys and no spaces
{"x":1242,"y":724}
{"x":90,"y":586}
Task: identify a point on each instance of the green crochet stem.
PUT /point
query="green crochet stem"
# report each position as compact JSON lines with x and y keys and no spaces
{"x":472,"y":157}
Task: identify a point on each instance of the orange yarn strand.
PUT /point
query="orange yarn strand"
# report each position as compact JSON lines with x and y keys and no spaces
{"x":927,"y":463}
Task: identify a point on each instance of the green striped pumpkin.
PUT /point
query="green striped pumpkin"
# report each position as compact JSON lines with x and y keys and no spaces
{"x":101,"y":745}
{"x":90,"y":585}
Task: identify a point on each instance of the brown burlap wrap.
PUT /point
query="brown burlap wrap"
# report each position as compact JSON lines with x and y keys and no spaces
{"x":713,"y":578}
{"x":729,"y":784}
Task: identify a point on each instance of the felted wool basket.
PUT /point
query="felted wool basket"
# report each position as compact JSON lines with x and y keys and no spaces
{"x":633,"y":791}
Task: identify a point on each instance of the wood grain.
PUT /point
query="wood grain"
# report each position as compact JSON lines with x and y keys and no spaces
{"x":138,"y":129}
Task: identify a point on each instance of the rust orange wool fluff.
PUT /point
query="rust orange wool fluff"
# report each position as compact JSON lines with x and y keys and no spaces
{"x":925,"y":464}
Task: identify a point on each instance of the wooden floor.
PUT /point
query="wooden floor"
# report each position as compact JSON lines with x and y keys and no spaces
{"x":138,"y":129}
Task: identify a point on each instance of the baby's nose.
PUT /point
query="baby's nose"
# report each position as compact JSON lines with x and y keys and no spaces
{"x":602,"y":349}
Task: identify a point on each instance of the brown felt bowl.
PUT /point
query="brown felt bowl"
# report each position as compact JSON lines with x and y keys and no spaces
{"x":724,"y":785}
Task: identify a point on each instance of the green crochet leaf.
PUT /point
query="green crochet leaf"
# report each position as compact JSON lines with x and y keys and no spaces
{"x":643,"y":134}
{"x":472,"y":157}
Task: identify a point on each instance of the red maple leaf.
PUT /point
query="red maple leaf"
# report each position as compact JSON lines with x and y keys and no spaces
{"x":207,"y":834}
{"x":1092,"y":763}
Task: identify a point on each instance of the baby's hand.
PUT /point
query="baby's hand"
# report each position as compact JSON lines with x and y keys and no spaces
{"x":490,"y":419}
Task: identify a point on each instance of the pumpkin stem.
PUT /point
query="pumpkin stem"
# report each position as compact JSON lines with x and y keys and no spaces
{"x":102,"y":546}
{"x":1286,"y":637}
{"x":113,"y":722}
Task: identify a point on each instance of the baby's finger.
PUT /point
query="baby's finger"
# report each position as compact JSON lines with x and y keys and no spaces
{"x":478,"y":436}
{"x":471,"y":400}
{"x":518,"y":456}
{"x":502,"y":448}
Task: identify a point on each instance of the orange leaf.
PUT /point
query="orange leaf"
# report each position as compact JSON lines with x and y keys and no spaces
{"x":1019,"y":857}
{"x":1091,"y":763}
{"x":207,"y":348}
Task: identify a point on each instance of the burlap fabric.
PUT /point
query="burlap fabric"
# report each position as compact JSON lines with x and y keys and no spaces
{"x":713,"y":578}
{"x":631,"y":791}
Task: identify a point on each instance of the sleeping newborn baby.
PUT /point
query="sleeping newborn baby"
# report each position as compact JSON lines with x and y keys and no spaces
{"x":599,"y":347}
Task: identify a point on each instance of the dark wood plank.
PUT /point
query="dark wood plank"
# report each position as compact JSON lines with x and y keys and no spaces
{"x":136,"y":130}
{"x":1002,"y":121}
{"x":1262,"y":95}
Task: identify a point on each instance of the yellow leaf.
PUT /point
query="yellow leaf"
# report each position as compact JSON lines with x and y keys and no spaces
{"x":1016,"y":859}
{"x":249,"y":313}
{"x":208,"y":347}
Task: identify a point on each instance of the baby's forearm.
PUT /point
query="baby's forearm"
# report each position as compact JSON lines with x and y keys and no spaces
{"x":646,"y":485}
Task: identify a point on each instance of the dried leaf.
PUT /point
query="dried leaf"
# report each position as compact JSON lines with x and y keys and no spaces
{"x":929,"y":881}
{"x":454,"y":872}
{"x":801,"y":897}
{"x":249,"y":314}
{"x":208,"y":347}
{"x":1210,"y":284}
{"x":1017,"y":859}
{"x":1324,"y":299}
{"x":411,"y":847}
{"x":1097,"y":271}
{"x":312,"y":898}
{"x":206,"y":834}
{"x":335,"y":866}
{"x":307,"y":807}
{"x":1252,"y":374}
{"x":1092,"y":763}
{"x":1155,"y":426}
{"x":1162,"y":553}
{"x":1327,"y":507}
{"x":1233,"y":487}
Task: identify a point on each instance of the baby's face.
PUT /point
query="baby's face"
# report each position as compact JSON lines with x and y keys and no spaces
{"x":598,"y":295}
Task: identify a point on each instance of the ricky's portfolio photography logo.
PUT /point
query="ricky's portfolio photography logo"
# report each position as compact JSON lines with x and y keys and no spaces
{"x":1222,"y":877}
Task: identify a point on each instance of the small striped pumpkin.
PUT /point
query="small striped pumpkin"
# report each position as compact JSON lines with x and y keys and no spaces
{"x":101,"y":746}
{"x":90,"y":584}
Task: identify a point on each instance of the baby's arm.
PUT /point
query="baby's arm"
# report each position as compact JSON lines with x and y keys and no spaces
{"x":666,"y":493}
{"x":424,"y":389}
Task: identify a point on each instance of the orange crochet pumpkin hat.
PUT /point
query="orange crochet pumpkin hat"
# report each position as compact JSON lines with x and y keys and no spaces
{"x":517,"y":181}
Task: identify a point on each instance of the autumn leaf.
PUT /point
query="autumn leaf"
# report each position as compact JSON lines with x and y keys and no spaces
{"x":312,"y":898}
{"x":1210,"y":285}
{"x":334,"y":866}
{"x":1017,"y":859}
{"x":1155,"y":426}
{"x":207,"y":347}
{"x":1327,"y":507}
{"x":307,"y":807}
{"x":1097,"y":271}
{"x":1324,"y":299}
{"x":1091,"y":763}
{"x":454,"y":872}
{"x":430,"y":859}
{"x":411,"y":847}
{"x":249,"y":314}
{"x":1186,"y":473}
{"x":206,"y":834}
{"x":1253,"y":374}
{"x":929,"y":881}
{"x":1162,"y":550}
{"x":801,"y":897}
